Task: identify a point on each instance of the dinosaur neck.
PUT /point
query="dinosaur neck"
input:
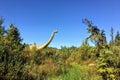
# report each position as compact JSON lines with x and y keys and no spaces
{"x":48,"y":42}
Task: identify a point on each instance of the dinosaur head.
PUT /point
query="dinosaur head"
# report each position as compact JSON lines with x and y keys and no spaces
{"x":55,"y":31}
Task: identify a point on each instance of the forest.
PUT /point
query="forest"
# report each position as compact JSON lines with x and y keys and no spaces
{"x":99,"y":62}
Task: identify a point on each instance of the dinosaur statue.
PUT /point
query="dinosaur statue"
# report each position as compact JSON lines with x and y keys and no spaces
{"x":45,"y":44}
{"x":49,"y":41}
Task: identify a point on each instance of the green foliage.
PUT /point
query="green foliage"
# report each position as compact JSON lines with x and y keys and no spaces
{"x":96,"y":35}
{"x":73,"y":73}
{"x":117,"y":39}
{"x":42,"y":63}
{"x":76,"y":72}
{"x":85,"y":51}
{"x":19,"y":62}
{"x":10,"y":54}
{"x":108,"y":65}
{"x":66,"y":50}
{"x":112,"y":36}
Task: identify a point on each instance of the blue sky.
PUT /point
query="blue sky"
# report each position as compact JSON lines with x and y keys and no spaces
{"x":36,"y":19}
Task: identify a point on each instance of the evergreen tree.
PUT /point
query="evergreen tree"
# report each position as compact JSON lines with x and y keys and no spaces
{"x":11,"y":50}
{"x":2,"y":47}
{"x":117,"y":36}
{"x":112,"y":36}
{"x":13,"y":37}
{"x":117,"y":39}
{"x":96,"y":35}
{"x":107,"y":62}
{"x":2,"y":29}
{"x":102,"y":39}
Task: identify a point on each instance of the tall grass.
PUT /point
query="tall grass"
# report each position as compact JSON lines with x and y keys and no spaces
{"x":73,"y":73}
{"x":76,"y":72}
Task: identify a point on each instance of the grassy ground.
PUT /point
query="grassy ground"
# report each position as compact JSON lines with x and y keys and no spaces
{"x":77,"y":72}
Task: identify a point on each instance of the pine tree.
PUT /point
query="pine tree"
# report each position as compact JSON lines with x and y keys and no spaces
{"x":14,"y":50}
{"x":117,"y":39}
{"x":2,"y":47}
{"x":117,"y":36}
{"x":96,"y":35}
{"x":112,"y":36}
{"x":11,"y":50}
{"x":13,"y":36}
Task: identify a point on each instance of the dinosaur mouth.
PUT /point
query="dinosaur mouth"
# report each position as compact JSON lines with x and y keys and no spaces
{"x":55,"y":31}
